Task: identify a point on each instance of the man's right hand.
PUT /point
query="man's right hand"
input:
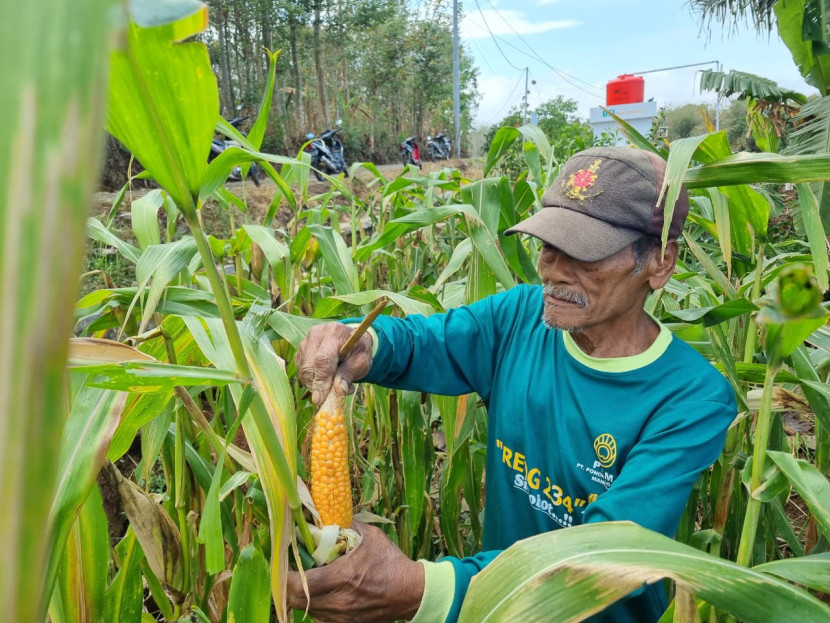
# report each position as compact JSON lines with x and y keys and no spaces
{"x":318,"y":362}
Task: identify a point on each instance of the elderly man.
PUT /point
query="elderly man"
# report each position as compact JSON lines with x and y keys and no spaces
{"x":596,"y":412}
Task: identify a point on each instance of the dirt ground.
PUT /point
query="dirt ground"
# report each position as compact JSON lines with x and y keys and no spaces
{"x":258,"y":198}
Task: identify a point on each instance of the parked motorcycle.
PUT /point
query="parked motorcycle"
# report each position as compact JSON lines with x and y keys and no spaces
{"x":410,"y":152}
{"x":326,"y":153}
{"x":439,"y":147}
{"x":221,"y":144}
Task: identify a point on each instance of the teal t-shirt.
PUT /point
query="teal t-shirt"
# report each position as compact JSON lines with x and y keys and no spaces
{"x":571,"y":439}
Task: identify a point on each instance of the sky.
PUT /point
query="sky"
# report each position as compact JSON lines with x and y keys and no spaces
{"x":574,"y":47}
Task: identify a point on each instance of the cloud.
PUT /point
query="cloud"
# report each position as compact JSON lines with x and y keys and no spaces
{"x":475,"y":24}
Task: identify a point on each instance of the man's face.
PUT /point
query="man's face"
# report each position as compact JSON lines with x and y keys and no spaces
{"x":582,"y":296}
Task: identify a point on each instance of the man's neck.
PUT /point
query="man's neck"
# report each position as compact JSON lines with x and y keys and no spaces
{"x":623,"y":340}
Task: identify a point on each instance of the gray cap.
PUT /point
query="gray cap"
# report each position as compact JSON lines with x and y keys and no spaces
{"x":604,"y":199}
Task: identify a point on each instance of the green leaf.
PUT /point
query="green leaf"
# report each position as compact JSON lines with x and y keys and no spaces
{"x":93,"y":418}
{"x":503,"y":139}
{"x":713,"y":315}
{"x":144,"y":212}
{"x":810,"y":484}
{"x":257,"y":132}
{"x":250,"y":598}
{"x":339,"y":264}
{"x":153,"y":377}
{"x":160,"y":264}
{"x":332,"y":306}
{"x":83,"y":575}
{"x":755,"y":168}
{"x":163,"y":101}
{"x":581,"y":570}
{"x":815,"y":234}
{"x":125,"y":595}
{"x":812,"y":571}
{"x":98,"y":232}
{"x":210,"y":528}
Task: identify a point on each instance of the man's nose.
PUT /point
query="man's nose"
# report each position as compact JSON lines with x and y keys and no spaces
{"x":558,"y":267}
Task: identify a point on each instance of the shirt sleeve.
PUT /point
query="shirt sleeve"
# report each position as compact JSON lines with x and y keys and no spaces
{"x":654,"y":485}
{"x":447,"y":354}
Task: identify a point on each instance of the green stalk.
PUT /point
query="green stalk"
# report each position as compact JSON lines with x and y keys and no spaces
{"x":759,"y":453}
{"x":258,"y":411}
{"x":751,"y":332}
{"x":734,"y":435}
{"x":181,"y":497}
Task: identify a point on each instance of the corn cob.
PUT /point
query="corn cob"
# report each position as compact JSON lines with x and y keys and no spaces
{"x":330,"y":479}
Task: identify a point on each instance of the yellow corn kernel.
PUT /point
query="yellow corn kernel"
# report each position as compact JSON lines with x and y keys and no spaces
{"x":330,"y":477}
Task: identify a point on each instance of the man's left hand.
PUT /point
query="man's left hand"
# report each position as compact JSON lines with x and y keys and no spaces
{"x":374,"y":583}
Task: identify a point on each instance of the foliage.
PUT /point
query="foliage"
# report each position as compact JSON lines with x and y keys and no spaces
{"x":201,"y":378}
{"x":384,"y":68}
{"x":558,"y":120}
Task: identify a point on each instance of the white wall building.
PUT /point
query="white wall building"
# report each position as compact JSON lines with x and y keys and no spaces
{"x":640,"y":115}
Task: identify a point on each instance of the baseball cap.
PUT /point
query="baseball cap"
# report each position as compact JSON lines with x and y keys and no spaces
{"x":604,"y":199}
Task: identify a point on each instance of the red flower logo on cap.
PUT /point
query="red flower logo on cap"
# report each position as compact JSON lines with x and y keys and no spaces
{"x":577,"y":183}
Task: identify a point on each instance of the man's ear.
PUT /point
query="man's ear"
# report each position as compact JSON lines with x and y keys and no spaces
{"x":661,"y":268}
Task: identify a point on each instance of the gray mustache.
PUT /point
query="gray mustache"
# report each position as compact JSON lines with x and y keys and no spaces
{"x":566,"y":295}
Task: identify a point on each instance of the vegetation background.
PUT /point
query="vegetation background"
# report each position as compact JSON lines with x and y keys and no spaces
{"x":153,"y":466}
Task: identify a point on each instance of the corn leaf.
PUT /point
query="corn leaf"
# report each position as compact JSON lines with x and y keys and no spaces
{"x":250,"y":598}
{"x":98,"y":232}
{"x":159,"y":537}
{"x":160,"y":264}
{"x":812,"y":571}
{"x":92,"y":422}
{"x":755,"y":168}
{"x":414,"y":435}
{"x":333,"y":305}
{"x":276,"y":397}
{"x":815,"y":234}
{"x":153,"y":376}
{"x":140,"y":409}
{"x":339,"y":266}
{"x":125,"y":595}
{"x":502,"y":141}
{"x":459,"y":256}
{"x":144,"y":212}
{"x":83,"y":570}
{"x":810,"y":484}
{"x":163,"y":100}
{"x":581,"y":570}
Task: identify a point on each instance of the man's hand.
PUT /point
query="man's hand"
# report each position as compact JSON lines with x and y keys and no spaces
{"x":319,"y":366}
{"x":373,"y":583}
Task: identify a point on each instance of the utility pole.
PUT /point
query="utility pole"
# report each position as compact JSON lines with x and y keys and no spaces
{"x":456,"y":93}
{"x":524,"y":103}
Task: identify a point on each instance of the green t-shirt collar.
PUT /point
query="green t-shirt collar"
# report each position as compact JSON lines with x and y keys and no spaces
{"x":620,"y":364}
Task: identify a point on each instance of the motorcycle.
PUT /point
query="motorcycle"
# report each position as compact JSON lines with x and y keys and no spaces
{"x":439,"y":147}
{"x":221,"y":144}
{"x":326,"y":153}
{"x":410,"y":152}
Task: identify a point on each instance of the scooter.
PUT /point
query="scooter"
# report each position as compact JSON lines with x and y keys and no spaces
{"x":221,"y":144}
{"x":326,"y":153}
{"x":410,"y":152}
{"x":439,"y":147}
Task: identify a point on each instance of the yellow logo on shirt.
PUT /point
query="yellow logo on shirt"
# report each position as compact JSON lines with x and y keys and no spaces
{"x":606,"y":449}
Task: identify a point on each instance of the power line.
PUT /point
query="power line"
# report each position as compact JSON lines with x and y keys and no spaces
{"x":535,"y":55}
{"x":498,"y":47}
{"x":507,"y":100}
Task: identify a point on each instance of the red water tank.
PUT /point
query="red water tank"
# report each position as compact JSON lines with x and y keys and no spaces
{"x":624,"y":89}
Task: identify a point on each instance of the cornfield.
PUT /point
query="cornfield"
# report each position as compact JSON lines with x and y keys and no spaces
{"x":190,"y":369}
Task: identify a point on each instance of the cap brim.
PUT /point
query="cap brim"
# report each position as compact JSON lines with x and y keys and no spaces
{"x":580,"y":236}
